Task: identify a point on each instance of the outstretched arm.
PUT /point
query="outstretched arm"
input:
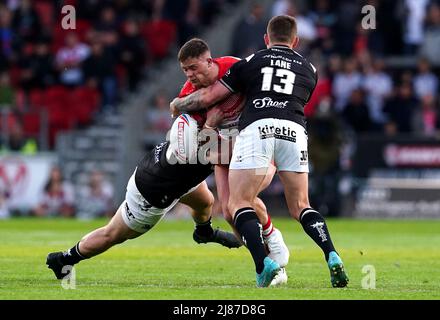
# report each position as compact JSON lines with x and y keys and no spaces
{"x":201,"y":99}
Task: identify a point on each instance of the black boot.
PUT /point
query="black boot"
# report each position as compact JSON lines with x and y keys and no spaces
{"x":224,"y":238}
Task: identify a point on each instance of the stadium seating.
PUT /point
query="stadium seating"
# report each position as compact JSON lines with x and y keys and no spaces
{"x":159,"y":36}
{"x":81,"y":104}
{"x":32,"y":124}
{"x":66,"y":108}
{"x":45,"y":11}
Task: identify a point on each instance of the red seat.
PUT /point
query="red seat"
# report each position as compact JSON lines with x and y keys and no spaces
{"x":10,"y":120}
{"x":20,"y":99}
{"x":31,"y":124}
{"x":36,"y":99}
{"x":55,"y":93}
{"x":159,"y":35}
{"x":55,"y":98}
{"x":45,"y":11}
{"x":55,"y":101}
{"x":69,"y":2}
{"x":65,"y":108}
{"x":14,"y":75}
{"x":83,"y":103}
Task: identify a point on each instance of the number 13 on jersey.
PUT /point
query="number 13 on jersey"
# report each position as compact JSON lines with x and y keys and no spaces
{"x":286,"y":78}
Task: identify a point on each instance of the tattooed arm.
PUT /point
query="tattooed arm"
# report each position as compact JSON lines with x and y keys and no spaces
{"x":201,"y":99}
{"x":186,"y":104}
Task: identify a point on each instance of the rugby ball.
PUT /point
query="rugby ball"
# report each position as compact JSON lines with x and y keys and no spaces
{"x":184,"y":139}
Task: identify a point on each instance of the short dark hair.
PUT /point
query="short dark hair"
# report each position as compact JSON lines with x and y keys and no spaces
{"x":192,"y":49}
{"x":282,"y":29}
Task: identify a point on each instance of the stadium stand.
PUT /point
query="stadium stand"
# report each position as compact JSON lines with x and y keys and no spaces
{"x":364,"y":74}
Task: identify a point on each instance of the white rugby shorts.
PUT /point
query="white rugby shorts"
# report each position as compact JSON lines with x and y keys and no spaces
{"x":270,"y":140}
{"x":137,"y":213}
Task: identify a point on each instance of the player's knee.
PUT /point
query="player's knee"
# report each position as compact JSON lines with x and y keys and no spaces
{"x":261,"y":210}
{"x":259,"y":206}
{"x":209,"y":203}
{"x":204,"y":208}
{"x":211,"y":200}
{"x":267,"y":180}
{"x":299,"y":206}
{"x":233,"y":206}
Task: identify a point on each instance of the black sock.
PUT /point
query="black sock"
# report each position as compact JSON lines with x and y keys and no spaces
{"x":250,"y":230}
{"x":204,"y":229}
{"x":314,"y":225}
{"x":72,"y":256}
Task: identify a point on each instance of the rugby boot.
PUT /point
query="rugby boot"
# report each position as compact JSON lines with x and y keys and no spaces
{"x":54,"y":262}
{"x":226,"y":239}
{"x":338,"y":277}
{"x":271,"y":268}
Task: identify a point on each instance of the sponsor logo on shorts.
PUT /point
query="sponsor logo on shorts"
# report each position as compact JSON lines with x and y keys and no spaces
{"x":239,"y":159}
{"x":283,"y":133}
{"x":304,"y":158}
{"x":267,"y":102}
{"x":145,"y":206}
{"x":164,"y":199}
{"x":128,"y":212}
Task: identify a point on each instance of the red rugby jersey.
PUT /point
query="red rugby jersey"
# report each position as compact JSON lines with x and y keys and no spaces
{"x":230,"y":105}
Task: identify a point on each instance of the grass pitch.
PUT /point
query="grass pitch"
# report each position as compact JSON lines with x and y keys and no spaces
{"x":167,"y":264}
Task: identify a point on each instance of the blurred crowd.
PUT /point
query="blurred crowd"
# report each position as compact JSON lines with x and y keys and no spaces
{"x":362,"y":82}
{"x":61,"y":198}
{"x":67,"y":78}
{"x":48,"y":71}
{"x":382,"y":81}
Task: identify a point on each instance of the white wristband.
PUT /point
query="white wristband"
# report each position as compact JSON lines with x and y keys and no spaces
{"x":205,"y":126}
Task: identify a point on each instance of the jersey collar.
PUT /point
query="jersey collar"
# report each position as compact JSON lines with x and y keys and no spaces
{"x":287,"y":48}
{"x":280,"y":46}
